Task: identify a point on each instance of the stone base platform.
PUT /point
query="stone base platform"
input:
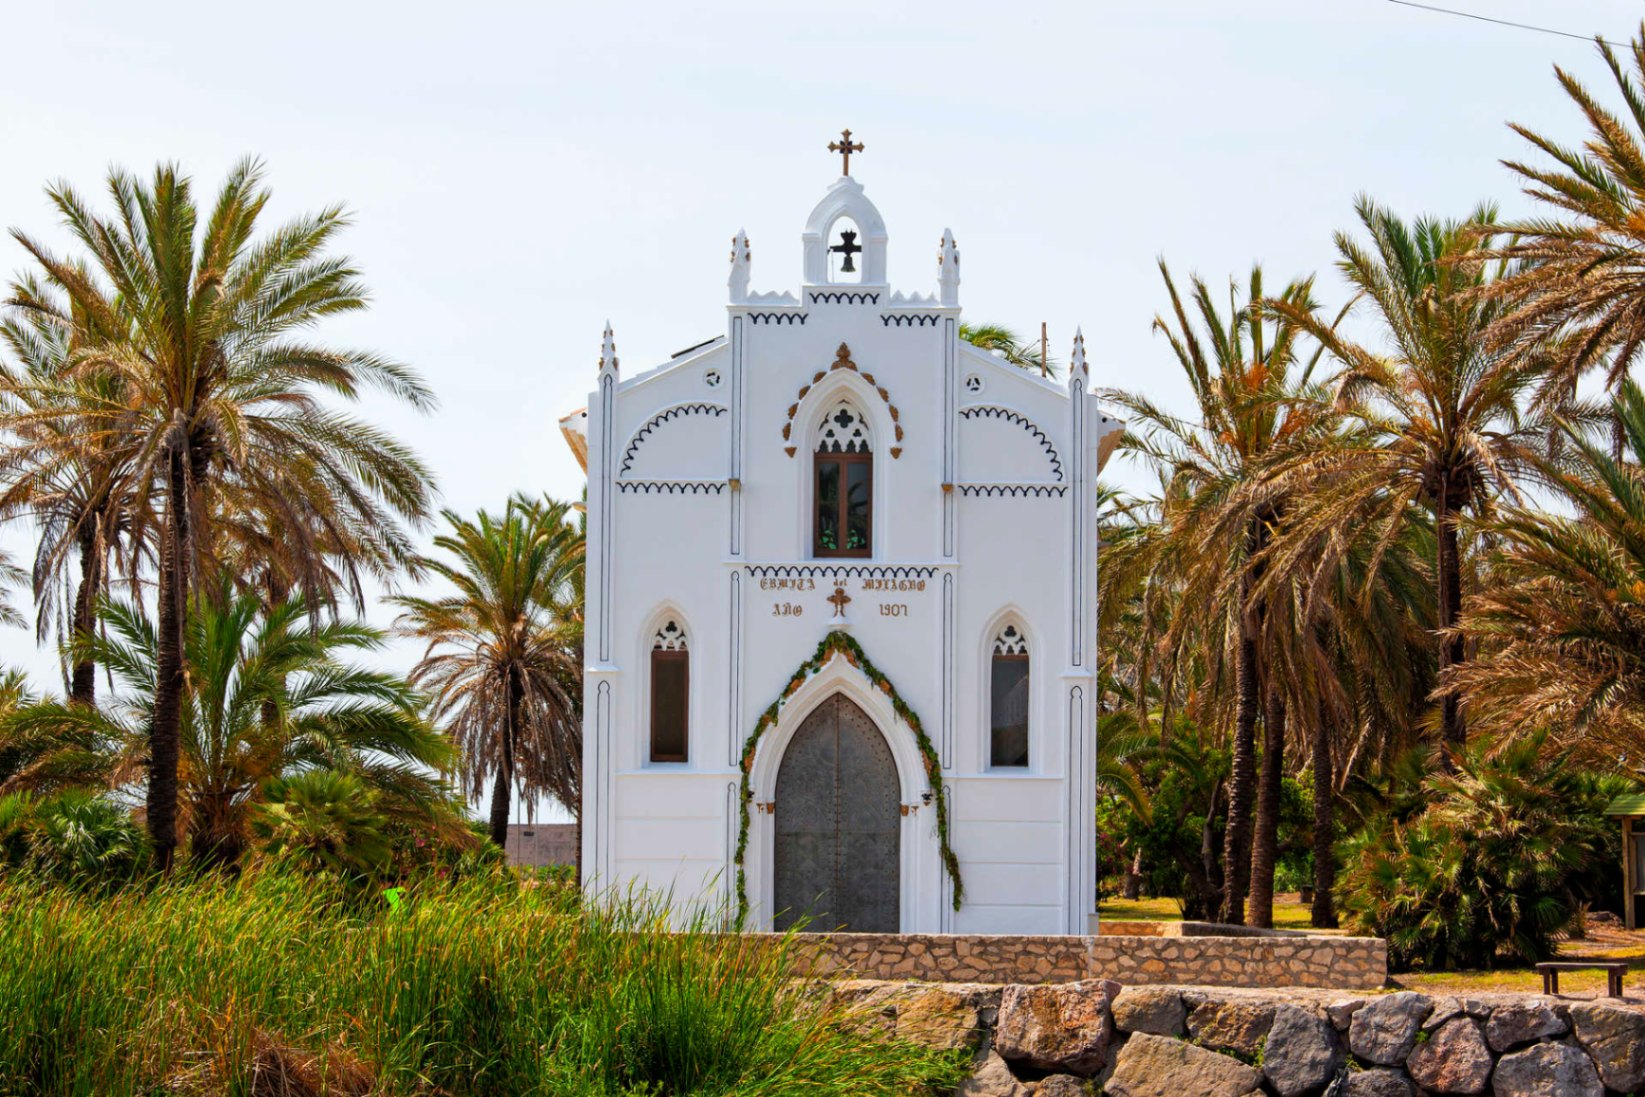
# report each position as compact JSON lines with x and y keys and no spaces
{"x":1357,"y":963}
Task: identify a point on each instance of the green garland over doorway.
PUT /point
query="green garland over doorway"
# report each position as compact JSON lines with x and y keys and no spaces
{"x":844,"y":645}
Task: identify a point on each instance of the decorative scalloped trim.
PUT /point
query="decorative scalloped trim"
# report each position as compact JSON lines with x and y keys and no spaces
{"x":848,"y":571}
{"x":845,"y":297}
{"x":675,"y":412}
{"x":671,"y":487}
{"x":910,"y":319}
{"x":990,"y":491}
{"x":845,"y":646}
{"x":842,"y":360}
{"x":776,"y":317}
{"x":994,"y":411}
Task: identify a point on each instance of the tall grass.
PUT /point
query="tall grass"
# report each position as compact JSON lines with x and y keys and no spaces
{"x":282,"y":986}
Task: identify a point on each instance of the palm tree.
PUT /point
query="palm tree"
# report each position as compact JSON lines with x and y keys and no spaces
{"x":1561,"y":621}
{"x":220,"y":395}
{"x":1349,"y":622}
{"x":1005,"y":342}
{"x":1578,"y":299}
{"x":1437,"y":423}
{"x":1219,"y":510}
{"x":59,"y":474}
{"x":504,"y":655}
{"x":269,"y":697}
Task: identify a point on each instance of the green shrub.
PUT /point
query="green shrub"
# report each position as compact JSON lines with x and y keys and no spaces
{"x":322,"y":821}
{"x":16,"y":816}
{"x":462,"y":989}
{"x":1490,"y":867}
{"x":76,"y":838}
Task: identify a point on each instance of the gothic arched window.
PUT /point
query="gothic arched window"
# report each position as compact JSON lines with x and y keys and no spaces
{"x":843,"y":490}
{"x":670,"y":694}
{"x":1008,"y":699}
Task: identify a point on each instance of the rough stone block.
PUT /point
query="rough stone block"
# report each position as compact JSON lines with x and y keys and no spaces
{"x":1342,"y":1010}
{"x":1453,"y":1059}
{"x":1377,"y":1082}
{"x":940,"y":1017}
{"x":1158,"y":1066}
{"x":1153,"y":1010}
{"x":1062,"y":1085}
{"x":1615,"y":1037}
{"x":1515,"y":1023}
{"x":1061,"y":1027}
{"x":1385,"y":1031}
{"x":1234,"y":1025}
{"x":993,"y":1078}
{"x":1547,"y":1070}
{"x":1302,"y":1052}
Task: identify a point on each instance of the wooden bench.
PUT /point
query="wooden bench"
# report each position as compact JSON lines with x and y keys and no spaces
{"x":1613,"y":970}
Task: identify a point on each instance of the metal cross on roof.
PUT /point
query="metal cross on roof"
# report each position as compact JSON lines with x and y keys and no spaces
{"x":845,"y":147}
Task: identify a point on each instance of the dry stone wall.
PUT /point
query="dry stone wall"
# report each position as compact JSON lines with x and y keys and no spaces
{"x":1096,"y":1037}
{"x":1353,"y":962}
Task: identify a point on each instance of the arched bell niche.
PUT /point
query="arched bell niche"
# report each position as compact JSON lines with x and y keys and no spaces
{"x":845,"y":209}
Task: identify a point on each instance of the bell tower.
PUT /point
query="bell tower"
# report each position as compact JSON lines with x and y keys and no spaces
{"x":845,"y":228}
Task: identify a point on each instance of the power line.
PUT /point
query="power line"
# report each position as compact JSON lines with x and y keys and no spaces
{"x":1505,"y":22}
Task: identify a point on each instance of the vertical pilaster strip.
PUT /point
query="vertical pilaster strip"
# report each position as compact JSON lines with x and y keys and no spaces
{"x":604,"y":422}
{"x":1081,"y":730}
{"x":950,"y":409}
{"x":598,"y":792}
{"x":1077,"y":516}
{"x":728,"y":874}
{"x":1081,"y":816}
{"x":737,"y":382}
{"x":734,"y":671}
{"x":603,"y":769}
{"x":945,"y":890}
{"x":949,"y":675}
{"x":608,"y":388}
{"x":588,"y":856}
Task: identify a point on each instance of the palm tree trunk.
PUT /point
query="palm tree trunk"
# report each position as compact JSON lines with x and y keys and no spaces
{"x":1236,"y":855}
{"x":1265,"y":839}
{"x":1207,"y":880}
{"x":1133,"y":877}
{"x":501,"y":790}
{"x":1454,"y":734}
{"x":169,"y":680}
{"x":500,"y":800}
{"x":83,"y":676}
{"x":274,"y":594}
{"x":1323,"y":915}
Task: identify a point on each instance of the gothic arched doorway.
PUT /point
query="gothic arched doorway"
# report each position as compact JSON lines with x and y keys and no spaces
{"x":838,"y":823}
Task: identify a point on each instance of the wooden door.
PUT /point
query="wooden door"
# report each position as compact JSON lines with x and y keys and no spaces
{"x":838,"y":825}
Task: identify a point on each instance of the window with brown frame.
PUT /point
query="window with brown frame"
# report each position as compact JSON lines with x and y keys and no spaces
{"x":845,"y":504}
{"x":670,"y":695}
{"x":1008,"y":700}
{"x":843,"y":488}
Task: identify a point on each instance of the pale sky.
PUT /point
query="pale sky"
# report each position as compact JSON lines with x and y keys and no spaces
{"x":519,"y":173}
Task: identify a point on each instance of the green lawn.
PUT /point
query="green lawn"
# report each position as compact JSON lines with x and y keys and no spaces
{"x":1288,"y":912}
{"x":1604,"y":943}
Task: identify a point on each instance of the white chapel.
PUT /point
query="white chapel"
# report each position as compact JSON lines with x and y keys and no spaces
{"x":841,"y":609}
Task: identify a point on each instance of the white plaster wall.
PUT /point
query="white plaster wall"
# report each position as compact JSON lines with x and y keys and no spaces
{"x":711,"y":521}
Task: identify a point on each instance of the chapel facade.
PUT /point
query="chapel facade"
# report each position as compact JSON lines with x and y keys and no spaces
{"x":841,"y":610}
